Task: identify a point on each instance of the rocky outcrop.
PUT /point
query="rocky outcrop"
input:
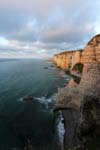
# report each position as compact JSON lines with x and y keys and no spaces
{"x":85,"y":96}
{"x":89,"y":88}
{"x":69,"y":96}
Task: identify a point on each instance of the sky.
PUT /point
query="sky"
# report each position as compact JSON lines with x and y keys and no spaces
{"x":42,"y":28}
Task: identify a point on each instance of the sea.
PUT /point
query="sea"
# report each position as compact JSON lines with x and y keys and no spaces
{"x":29,"y":124}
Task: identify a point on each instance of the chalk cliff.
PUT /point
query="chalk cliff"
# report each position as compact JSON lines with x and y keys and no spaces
{"x":85,"y":96}
{"x":68,"y":59}
{"x":89,"y":88}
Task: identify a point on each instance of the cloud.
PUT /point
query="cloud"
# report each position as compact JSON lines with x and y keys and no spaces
{"x":46,"y":27}
{"x":66,"y":33}
{"x":27,"y":33}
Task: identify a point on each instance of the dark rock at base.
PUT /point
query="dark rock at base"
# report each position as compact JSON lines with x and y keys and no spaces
{"x":64,"y":85}
{"x":45,"y":67}
{"x":28,"y":98}
{"x":52,"y":66}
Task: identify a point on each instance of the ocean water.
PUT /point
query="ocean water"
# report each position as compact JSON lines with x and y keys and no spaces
{"x":28,"y":124}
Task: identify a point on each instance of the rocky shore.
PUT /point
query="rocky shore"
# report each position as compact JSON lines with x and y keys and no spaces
{"x":80,"y":103}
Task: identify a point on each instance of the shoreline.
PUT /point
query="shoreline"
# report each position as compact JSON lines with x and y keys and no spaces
{"x":71,"y":115}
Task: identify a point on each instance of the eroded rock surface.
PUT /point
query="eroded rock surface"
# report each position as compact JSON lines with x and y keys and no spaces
{"x":85,"y":97}
{"x":68,"y":59}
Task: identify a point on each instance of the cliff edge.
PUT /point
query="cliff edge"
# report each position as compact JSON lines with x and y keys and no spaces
{"x":84,"y":98}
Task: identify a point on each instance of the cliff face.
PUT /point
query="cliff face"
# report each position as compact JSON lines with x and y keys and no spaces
{"x":89,"y":124}
{"x":89,"y":89}
{"x":91,"y":52}
{"x":86,"y":96}
{"x":67,"y":60}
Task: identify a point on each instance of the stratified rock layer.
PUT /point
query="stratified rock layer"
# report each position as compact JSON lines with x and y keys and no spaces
{"x":91,"y":52}
{"x":67,"y":60}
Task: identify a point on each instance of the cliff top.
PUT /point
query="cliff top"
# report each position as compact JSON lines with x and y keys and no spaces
{"x":95,"y":40}
{"x":68,"y":51}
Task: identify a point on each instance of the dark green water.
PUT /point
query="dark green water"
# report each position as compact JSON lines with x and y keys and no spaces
{"x":25,"y":123}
